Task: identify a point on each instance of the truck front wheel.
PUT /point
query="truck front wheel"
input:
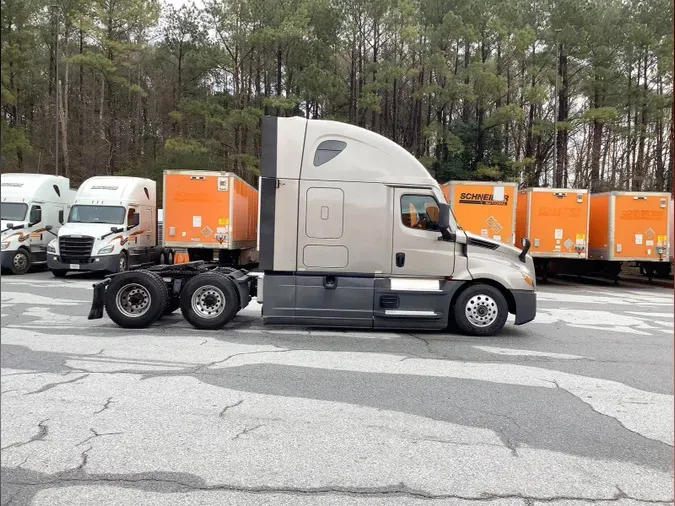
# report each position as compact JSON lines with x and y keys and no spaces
{"x":136,"y":299}
{"x":481,"y":310}
{"x":21,"y":262}
{"x":123,"y":262}
{"x":209,"y":301}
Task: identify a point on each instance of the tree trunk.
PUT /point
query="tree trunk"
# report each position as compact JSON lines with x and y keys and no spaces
{"x":563,"y":113}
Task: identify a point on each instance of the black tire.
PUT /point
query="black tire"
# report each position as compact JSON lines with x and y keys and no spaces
{"x":174,"y":303}
{"x":59,"y":273}
{"x":220,"y":298}
{"x":150,"y":299}
{"x":21,"y":262}
{"x":475,"y":309}
{"x":169,"y":257}
{"x":123,"y":262}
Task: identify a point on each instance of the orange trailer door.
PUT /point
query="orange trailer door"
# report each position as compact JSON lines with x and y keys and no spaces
{"x":558,"y":223}
{"x":196,"y":208}
{"x":640,"y":225}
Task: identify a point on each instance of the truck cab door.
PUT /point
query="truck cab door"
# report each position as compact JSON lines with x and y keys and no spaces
{"x":418,"y":293}
{"x":417,"y":250}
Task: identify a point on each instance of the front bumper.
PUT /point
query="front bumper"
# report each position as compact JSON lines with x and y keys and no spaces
{"x":6,"y":258}
{"x":526,"y":305}
{"x":107,"y":263}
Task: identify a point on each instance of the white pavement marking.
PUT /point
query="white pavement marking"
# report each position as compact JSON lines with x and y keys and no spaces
{"x":180,"y":425}
{"x":652,"y":418}
{"x":651,"y":314}
{"x":31,"y":298}
{"x":527,"y":353}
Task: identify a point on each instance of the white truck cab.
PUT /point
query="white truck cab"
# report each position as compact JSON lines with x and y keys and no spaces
{"x":33,"y":208}
{"x":111,"y":226}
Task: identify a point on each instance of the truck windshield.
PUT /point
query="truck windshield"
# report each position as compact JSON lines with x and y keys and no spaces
{"x":13,"y":211}
{"x":113,"y":215}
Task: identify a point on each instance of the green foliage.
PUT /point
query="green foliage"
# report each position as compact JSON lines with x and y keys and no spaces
{"x":184,"y":146}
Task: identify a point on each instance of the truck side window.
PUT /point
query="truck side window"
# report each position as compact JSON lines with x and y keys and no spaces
{"x":419,"y":212}
{"x":328,"y":150}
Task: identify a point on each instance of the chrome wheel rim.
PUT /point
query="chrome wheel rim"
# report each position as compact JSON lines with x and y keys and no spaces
{"x":208,"y":301}
{"x":133,"y":300}
{"x":481,"y":310}
{"x":20,"y":261}
{"x":123,"y":263}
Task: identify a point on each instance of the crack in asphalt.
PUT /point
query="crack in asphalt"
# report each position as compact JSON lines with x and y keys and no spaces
{"x":247,"y":430}
{"x":43,"y":430}
{"x":97,"y":434}
{"x":400,"y":490}
{"x":222,"y":413}
{"x":49,"y":386}
{"x":105,"y":406}
{"x":555,"y":382}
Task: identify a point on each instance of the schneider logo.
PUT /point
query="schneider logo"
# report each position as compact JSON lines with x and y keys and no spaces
{"x":482,"y":198}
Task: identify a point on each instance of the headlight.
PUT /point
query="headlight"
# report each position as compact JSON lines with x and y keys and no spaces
{"x":106,"y":249}
{"x":4,"y":245}
{"x":51,"y":247}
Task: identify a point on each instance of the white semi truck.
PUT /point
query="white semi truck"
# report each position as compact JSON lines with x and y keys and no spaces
{"x":353,"y":232}
{"x":112,"y":226}
{"x":33,"y":208}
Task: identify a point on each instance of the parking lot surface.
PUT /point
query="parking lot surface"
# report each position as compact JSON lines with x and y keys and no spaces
{"x":574,"y":407}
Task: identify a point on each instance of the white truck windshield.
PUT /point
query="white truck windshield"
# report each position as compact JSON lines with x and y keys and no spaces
{"x":113,"y":215}
{"x":13,"y":211}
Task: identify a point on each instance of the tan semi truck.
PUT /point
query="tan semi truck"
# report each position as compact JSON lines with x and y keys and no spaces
{"x":353,"y":232}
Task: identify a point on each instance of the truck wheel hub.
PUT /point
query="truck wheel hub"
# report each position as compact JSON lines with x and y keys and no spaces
{"x":481,"y":310}
{"x":133,"y":300}
{"x":208,"y":301}
{"x":19,"y":261}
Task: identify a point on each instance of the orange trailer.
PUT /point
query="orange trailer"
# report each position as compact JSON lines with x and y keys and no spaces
{"x":208,"y":210}
{"x":630,"y":226}
{"x":555,"y":220}
{"x":484,"y":207}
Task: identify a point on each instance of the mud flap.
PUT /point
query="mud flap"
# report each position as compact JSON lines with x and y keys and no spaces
{"x":96,"y":311}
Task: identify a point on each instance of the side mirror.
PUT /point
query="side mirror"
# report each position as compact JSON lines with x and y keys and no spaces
{"x":116,"y":230}
{"x":444,"y":222}
{"x":49,"y":229}
{"x":10,"y":226}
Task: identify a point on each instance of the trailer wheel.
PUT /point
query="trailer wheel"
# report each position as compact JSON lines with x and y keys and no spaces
{"x":481,"y":310}
{"x":136,"y":299}
{"x":21,"y":262}
{"x":209,"y":301}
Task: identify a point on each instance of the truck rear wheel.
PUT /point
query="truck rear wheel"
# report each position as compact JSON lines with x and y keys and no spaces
{"x":136,"y":299}
{"x":209,"y":301}
{"x":481,"y":310}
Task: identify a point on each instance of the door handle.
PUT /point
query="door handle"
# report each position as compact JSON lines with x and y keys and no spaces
{"x":330,"y":282}
{"x":400,"y":259}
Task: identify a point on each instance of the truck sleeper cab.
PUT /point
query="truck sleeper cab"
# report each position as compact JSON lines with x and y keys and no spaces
{"x":111,"y":227}
{"x":33,"y":208}
{"x":353,"y":232}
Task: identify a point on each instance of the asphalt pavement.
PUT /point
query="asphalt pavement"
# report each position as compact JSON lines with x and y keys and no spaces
{"x":575,"y":407}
